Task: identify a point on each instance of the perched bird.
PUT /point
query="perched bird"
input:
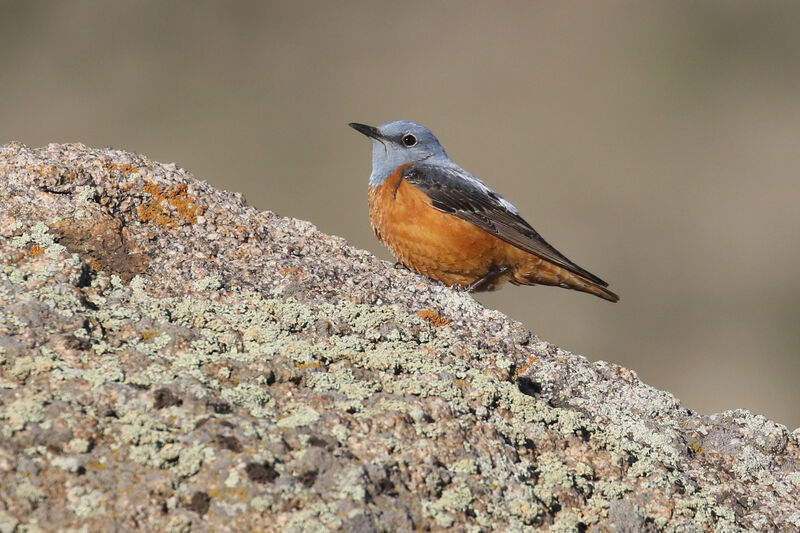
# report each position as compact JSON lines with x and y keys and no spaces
{"x":443,"y":222}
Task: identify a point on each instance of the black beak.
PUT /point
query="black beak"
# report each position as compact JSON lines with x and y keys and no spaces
{"x":369,"y":131}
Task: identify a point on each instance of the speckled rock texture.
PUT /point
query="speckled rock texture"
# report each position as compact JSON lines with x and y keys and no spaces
{"x":172,"y":359}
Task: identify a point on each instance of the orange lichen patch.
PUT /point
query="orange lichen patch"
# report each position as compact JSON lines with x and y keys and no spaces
{"x":178,"y":198}
{"x":294,"y":273}
{"x":433,"y":318}
{"x":35,"y":250}
{"x":524,"y":367}
{"x":312,"y":364}
{"x":124,"y":169}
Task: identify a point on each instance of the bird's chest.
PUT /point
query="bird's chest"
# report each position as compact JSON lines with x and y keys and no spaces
{"x":395,"y":203}
{"x":420,"y":235}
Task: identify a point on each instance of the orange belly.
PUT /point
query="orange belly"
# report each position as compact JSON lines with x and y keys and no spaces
{"x":436,"y":244}
{"x":455,"y":251}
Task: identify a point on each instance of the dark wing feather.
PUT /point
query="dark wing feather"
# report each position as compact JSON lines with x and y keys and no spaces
{"x":452,"y":193}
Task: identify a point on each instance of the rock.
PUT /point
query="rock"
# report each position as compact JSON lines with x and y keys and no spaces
{"x":173,"y":359}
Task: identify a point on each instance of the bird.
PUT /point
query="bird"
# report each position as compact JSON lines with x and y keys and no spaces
{"x":441,"y":221}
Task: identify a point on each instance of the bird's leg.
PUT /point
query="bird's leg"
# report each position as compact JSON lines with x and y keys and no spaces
{"x":488,"y":281}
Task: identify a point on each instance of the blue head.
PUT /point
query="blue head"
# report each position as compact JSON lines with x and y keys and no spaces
{"x":399,"y":143}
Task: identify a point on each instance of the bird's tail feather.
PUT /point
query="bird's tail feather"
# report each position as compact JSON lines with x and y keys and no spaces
{"x":541,"y":272}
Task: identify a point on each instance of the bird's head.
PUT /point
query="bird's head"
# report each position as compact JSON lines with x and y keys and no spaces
{"x":399,"y":143}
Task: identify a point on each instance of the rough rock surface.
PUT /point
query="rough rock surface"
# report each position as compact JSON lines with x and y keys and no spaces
{"x":171,"y":359}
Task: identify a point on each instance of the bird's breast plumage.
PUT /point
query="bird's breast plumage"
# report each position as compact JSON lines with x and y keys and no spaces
{"x":428,"y":240}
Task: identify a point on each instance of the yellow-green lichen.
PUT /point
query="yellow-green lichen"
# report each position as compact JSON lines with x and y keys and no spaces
{"x":522,"y":504}
{"x":89,"y":502}
{"x":208,"y":283}
{"x":190,"y":459}
{"x":298,"y":415}
{"x":464,"y":466}
{"x":22,"y":412}
{"x":149,"y":439}
{"x":750,"y":463}
{"x":109,"y":371}
{"x":252,"y":397}
{"x":340,"y":432}
{"x":456,"y":499}
{"x":263,"y":503}
{"x":553,"y":474}
{"x":30,"y":492}
{"x":341,"y":379}
{"x":8,"y":524}
{"x":39,"y":233}
{"x":70,"y":464}
{"x":77,"y":445}
{"x":566,"y":522}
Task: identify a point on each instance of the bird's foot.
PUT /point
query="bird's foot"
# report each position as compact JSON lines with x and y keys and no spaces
{"x":489,"y":281}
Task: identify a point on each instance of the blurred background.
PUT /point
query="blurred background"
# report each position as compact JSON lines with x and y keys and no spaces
{"x":657,"y":144}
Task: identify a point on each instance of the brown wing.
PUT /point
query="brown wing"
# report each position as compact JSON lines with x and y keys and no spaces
{"x":453,"y":191}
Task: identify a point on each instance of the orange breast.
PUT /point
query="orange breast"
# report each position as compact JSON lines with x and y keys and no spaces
{"x":433,"y":243}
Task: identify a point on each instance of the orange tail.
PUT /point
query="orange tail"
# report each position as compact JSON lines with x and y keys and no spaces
{"x":540,"y":272}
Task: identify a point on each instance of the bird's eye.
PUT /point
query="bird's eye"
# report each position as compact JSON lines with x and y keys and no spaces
{"x":409,"y":140}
